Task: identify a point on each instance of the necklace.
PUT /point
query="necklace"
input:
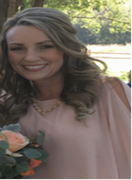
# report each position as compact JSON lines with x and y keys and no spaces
{"x":39,"y":110}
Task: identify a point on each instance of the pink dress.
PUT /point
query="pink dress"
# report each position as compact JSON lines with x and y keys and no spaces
{"x":97,"y":148}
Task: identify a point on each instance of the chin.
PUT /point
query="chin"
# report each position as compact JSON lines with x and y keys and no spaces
{"x":32,"y":78}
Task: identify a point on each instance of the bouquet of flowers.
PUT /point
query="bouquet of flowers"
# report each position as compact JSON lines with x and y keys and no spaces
{"x":19,"y":155}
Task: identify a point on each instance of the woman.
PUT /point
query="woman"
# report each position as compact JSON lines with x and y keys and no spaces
{"x":52,"y":85}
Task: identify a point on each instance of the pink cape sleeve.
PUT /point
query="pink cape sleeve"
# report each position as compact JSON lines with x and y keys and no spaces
{"x":120,"y":128}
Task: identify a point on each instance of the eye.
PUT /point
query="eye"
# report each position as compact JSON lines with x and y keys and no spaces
{"x":46,"y":47}
{"x":16,"y":49}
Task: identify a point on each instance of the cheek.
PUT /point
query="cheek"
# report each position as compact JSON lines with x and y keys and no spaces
{"x":54,"y":56}
{"x":13,"y":58}
{"x":58,"y":61}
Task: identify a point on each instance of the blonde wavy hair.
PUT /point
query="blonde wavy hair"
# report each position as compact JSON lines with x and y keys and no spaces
{"x":82,"y":77}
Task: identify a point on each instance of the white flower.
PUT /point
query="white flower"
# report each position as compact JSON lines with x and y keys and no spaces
{"x":13,"y":154}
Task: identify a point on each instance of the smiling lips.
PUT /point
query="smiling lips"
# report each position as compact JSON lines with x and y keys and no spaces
{"x":35,"y":67}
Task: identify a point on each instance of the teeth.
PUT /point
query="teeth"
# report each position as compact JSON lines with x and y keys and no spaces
{"x":34,"y":67}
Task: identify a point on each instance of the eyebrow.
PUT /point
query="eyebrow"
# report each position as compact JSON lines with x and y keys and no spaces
{"x":20,"y":44}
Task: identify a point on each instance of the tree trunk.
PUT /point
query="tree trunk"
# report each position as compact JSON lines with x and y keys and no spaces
{"x":38,"y":3}
{"x":12,"y":8}
{"x":4,"y":4}
{"x":19,"y":3}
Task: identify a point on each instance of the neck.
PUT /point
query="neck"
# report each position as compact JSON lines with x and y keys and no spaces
{"x":49,"y":88}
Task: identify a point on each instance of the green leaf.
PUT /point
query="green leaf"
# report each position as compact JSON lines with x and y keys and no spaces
{"x":40,"y":138}
{"x":32,"y":153}
{"x":4,"y":145}
{"x":2,"y":152}
{"x":18,"y":177}
{"x":16,"y":174}
{"x":6,"y":169}
{"x":20,"y":159}
{"x":12,"y":174}
{"x":44,"y":160}
{"x":11,"y":127}
{"x":43,"y":156}
{"x":3,"y":160}
{"x":11,"y":161}
{"x":22,"y":167}
{"x":1,"y":167}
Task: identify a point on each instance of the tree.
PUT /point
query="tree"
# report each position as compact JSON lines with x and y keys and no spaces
{"x":116,"y":13}
{"x":39,"y":3}
{"x":3,"y":11}
{"x":13,"y":7}
{"x":94,"y":13}
{"x":87,"y":36}
{"x":104,"y":36}
{"x":9,"y":7}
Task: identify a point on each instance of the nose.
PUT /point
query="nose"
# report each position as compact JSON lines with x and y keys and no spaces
{"x":31,"y":55}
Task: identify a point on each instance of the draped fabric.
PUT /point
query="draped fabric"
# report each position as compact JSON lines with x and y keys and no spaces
{"x":97,"y":148}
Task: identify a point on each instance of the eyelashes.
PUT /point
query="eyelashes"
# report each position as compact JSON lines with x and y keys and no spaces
{"x":15,"y":49}
{"x":47,"y":47}
{"x":41,"y":47}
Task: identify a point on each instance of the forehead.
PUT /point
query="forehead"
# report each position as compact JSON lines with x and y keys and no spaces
{"x":23,"y":33}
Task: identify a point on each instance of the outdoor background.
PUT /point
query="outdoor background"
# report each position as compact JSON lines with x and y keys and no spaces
{"x":104,"y":26}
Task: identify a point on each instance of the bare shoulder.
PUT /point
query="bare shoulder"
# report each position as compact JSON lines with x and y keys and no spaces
{"x":117,"y":86}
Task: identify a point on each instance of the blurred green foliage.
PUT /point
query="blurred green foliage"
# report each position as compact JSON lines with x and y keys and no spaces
{"x":104,"y":36}
{"x":121,"y":75}
{"x":93,"y":13}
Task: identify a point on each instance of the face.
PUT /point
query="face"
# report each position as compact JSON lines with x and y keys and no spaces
{"x":32,"y":54}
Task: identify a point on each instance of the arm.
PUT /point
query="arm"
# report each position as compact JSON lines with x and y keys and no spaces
{"x":122,"y":91}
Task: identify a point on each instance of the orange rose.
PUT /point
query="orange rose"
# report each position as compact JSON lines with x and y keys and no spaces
{"x":28,"y":173}
{"x":33,"y":163}
{"x":16,"y":140}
